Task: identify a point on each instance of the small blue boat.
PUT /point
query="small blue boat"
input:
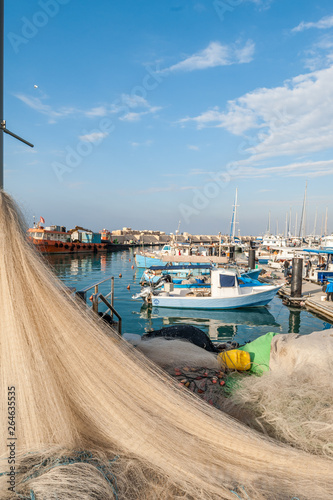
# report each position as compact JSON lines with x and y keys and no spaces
{"x":194,"y":275}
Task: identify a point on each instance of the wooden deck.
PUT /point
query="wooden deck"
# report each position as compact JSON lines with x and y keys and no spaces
{"x":312,"y":299}
{"x":316,"y":305}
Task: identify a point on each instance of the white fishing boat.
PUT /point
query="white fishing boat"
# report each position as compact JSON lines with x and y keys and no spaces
{"x":225,"y":293}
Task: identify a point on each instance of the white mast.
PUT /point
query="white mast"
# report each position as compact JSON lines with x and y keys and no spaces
{"x":233,"y":220}
{"x":326,"y":222}
{"x":315,"y":223}
{"x":302,"y":227}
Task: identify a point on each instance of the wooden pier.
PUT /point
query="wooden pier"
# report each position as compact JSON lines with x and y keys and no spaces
{"x":316,"y":305}
{"x":312,"y":299}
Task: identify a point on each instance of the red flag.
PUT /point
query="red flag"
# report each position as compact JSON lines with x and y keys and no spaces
{"x":42,"y":220}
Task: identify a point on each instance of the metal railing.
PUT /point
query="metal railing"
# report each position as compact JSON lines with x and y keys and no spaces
{"x":98,"y":298}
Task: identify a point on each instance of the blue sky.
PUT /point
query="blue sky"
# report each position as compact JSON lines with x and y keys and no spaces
{"x":147,"y":113}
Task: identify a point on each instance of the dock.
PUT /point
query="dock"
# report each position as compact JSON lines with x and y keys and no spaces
{"x":313,"y":298}
{"x":316,"y":305}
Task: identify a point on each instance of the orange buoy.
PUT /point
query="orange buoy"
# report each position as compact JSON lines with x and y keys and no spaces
{"x":91,"y":298}
{"x":129,"y":260}
{"x":120,"y":275}
{"x":132,"y":266}
{"x":128,"y":287}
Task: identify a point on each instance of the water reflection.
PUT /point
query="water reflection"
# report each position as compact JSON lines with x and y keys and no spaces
{"x":294,"y":320}
{"x":220,"y":325}
{"x":81,"y":271}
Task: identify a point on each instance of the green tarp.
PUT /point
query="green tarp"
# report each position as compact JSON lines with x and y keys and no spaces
{"x":260,"y":351}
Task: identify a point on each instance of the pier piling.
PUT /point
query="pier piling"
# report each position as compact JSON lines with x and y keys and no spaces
{"x":296,"y":277}
{"x":252,"y":258}
{"x":231,"y":253}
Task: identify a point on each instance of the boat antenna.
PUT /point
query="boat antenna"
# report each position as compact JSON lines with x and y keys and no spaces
{"x":2,"y":121}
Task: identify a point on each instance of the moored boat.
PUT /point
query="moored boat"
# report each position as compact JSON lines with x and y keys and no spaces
{"x":55,"y":239}
{"x":195,"y":275}
{"x":225,"y":293}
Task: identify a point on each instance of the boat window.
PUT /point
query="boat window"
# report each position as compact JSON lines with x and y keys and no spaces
{"x":227,"y":281}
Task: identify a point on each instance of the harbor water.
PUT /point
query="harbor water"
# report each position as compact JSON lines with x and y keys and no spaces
{"x":241,"y":325}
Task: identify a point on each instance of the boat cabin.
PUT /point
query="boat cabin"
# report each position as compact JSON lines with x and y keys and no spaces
{"x":49,"y":235}
{"x":224,"y":282}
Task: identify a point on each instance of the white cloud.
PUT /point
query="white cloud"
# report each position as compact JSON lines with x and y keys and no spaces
{"x":307,"y":169}
{"x":98,"y":111}
{"x":194,"y":148}
{"x":134,"y":101}
{"x":172,"y":188}
{"x":323,"y":23}
{"x":293,"y":119}
{"x":136,"y":116}
{"x":127,"y":103}
{"x":131,"y":117}
{"x":320,"y":55}
{"x":122,"y":106}
{"x":37,"y":104}
{"x":214,"y":55}
{"x":145,"y":143}
{"x":94,"y":137}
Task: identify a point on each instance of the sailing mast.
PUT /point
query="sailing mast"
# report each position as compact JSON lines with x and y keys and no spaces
{"x":302,"y":226}
{"x":233,"y":220}
{"x":315,"y":223}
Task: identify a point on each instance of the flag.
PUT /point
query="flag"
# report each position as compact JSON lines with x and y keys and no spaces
{"x":42,"y":220}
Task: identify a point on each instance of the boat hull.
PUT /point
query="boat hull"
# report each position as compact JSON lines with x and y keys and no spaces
{"x":253,"y":299}
{"x":68,"y":248}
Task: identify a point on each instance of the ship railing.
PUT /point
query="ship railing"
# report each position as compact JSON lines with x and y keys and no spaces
{"x":98,"y":298}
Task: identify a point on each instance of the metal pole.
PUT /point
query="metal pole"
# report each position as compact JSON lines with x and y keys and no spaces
{"x":1,"y":86}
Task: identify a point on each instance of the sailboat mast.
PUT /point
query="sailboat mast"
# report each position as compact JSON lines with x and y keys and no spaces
{"x":326,"y":222}
{"x":315,"y":223}
{"x":233,"y":220}
{"x":302,"y":225}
